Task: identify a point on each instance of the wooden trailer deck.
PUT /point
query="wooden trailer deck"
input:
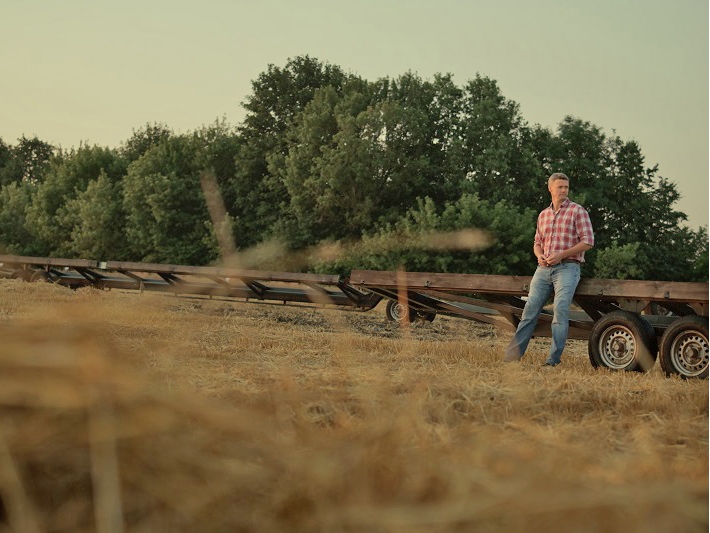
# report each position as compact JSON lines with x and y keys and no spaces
{"x":428,"y":292}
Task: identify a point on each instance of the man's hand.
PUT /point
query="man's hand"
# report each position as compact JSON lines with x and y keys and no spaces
{"x":554,"y":259}
{"x":550,"y":260}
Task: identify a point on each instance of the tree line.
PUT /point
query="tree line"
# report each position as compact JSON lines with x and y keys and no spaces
{"x":370,"y":168}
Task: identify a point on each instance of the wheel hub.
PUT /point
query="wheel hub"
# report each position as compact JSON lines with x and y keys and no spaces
{"x":618,"y":347}
{"x":399,"y":312}
{"x":691,"y":352}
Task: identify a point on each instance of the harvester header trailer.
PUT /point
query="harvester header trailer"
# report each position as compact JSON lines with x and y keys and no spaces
{"x":628,"y":323}
{"x":256,"y":285}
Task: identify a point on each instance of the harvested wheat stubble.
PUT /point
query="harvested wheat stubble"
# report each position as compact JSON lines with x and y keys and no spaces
{"x":153,"y":413}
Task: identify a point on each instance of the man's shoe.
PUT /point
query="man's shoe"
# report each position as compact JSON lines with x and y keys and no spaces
{"x":548,"y":364}
{"x":511,"y":359}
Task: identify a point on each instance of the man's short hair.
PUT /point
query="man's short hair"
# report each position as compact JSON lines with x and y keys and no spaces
{"x":557,"y":176}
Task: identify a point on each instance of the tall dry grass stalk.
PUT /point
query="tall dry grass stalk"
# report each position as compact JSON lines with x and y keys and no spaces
{"x":141,"y":412}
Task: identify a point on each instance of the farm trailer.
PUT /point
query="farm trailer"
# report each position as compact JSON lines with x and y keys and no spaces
{"x":250,"y":285}
{"x":628,"y":323}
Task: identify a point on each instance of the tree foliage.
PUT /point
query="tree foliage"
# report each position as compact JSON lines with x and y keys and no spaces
{"x":143,"y":139}
{"x":96,"y":220}
{"x":15,"y":237}
{"x":278,"y":96}
{"x":620,"y":262}
{"x":67,"y":176}
{"x":376,"y":168}
{"x":166,"y":215}
{"x":26,"y":161}
{"x":428,"y":239}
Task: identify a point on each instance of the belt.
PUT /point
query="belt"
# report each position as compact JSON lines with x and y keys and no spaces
{"x":570,"y":261}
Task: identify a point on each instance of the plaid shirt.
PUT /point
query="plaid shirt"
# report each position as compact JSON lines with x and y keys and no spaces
{"x":557,"y":232}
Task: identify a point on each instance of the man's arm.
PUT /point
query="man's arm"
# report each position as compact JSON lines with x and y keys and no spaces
{"x":569,"y":252}
{"x":557,"y":257}
{"x":537,"y":250}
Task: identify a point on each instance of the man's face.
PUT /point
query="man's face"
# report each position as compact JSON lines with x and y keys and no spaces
{"x":559,"y":189}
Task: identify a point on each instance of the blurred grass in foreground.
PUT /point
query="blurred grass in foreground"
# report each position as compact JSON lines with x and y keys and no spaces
{"x":145,"y":412}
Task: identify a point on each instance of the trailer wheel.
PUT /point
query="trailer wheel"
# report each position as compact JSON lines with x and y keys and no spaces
{"x":621,"y":340}
{"x":41,"y":275}
{"x":22,"y":274}
{"x":684,"y":348}
{"x":429,"y":316}
{"x":397,"y":312}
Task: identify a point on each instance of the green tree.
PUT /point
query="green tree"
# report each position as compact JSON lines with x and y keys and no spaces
{"x":698,"y":244}
{"x":219,"y":148}
{"x":68,"y":175}
{"x":497,"y":163}
{"x":97,"y":221}
{"x":405,"y":147}
{"x":6,"y":158}
{"x":422,"y":240}
{"x":360,"y":158}
{"x":352,"y":165}
{"x":28,"y":160}
{"x":15,"y":238}
{"x":167,"y":219}
{"x":620,"y":262}
{"x":143,"y":139}
{"x":278,"y":95}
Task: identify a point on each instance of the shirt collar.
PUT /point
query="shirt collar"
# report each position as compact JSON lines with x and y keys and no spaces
{"x":564,"y":205}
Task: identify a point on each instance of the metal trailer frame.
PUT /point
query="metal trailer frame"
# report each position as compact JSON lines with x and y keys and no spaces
{"x":628,"y":323}
{"x":249,"y":285}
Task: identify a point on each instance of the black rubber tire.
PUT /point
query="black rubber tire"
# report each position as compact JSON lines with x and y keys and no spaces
{"x":684,"y":348}
{"x":41,"y":275}
{"x":621,"y":340}
{"x":22,"y":274}
{"x":651,"y":340}
{"x":398,"y":312}
{"x":428,"y":316}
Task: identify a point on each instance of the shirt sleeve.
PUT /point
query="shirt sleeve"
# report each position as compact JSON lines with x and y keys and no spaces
{"x":538,"y":234}
{"x":583,"y":223}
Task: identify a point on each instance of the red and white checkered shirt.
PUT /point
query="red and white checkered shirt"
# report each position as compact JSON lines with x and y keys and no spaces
{"x":557,"y":232}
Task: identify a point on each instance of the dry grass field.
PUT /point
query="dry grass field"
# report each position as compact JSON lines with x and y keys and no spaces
{"x":145,"y":412}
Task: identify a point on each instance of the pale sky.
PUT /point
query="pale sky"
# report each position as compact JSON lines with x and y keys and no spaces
{"x":92,"y":71}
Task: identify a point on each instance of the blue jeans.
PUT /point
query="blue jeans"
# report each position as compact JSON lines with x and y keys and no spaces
{"x":563,"y":279}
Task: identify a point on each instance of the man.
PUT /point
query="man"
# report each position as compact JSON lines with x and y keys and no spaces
{"x":564,"y":232}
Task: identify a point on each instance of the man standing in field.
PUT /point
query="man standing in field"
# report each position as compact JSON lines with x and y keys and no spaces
{"x":564,"y":232}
